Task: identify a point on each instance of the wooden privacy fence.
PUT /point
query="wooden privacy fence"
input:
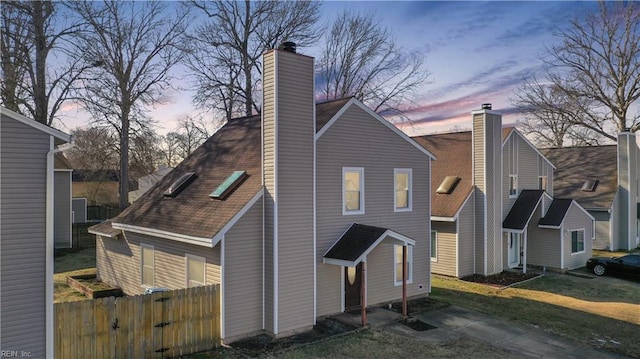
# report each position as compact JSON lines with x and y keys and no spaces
{"x":159,"y":325}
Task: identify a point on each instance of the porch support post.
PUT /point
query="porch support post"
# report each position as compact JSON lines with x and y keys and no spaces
{"x":524,"y":250}
{"x":404,"y":280}
{"x":363,"y":295}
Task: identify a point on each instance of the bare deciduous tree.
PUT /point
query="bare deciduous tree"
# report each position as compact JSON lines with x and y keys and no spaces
{"x":186,"y":138}
{"x":595,"y":72}
{"x":136,"y":44}
{"x":362,"y":59}
{"x":224,"y":53}
{"x":551,"y":117}
{"x":34,"y":32}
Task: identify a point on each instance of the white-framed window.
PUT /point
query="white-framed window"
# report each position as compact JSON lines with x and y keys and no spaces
{"x":352,"y":190}
{"x":147,"y":265}
{"x":195,"y":270}
{"x":402,"y":201}
{"x":513,"y":186}
{"x":434,"y":246}
{"x":542,"y":182}
{"x":397,"y":271}
{"x":577,"y":241}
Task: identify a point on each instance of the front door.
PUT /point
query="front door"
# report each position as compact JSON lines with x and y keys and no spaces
{"x":514,"y":249}
{"x":352,"y":286}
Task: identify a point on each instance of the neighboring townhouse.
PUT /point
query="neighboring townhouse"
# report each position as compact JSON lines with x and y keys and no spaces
{"x":63,"y":212}
{"x":146,"y":182}
{"x":298,"y":214}
{"x":604,"y":180}
{"x":493,"y":205}
{"x":27,"y":212}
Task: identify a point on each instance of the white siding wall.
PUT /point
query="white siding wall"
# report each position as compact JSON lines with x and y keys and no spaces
{"x":23,"y":166}
{"x":466,"y":245}
{"x":243,"y":275}
{"x":577,"y":219}
{"x":446,"y":248}
{"x":62,"y":209}
{"x":543,"y":244}
{"x":357,"y":140}
{"x":118,"y":262}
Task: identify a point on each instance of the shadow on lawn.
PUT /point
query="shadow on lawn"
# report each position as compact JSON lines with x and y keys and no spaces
{"x":593,"y":330}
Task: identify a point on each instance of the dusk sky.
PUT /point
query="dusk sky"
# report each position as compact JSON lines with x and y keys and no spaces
{"x":477,"y":52}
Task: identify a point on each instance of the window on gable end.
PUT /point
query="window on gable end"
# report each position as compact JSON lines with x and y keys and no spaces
{"x":352,"y":190}
{"x":402,"y":185}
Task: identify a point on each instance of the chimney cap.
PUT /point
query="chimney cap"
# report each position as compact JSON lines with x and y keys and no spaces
{"x":486,"y":106}
{"x":288,"y":46}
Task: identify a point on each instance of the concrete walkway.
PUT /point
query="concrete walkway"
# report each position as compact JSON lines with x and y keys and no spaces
{"x":455,"y":322}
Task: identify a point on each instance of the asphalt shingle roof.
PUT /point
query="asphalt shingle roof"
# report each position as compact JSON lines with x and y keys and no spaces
{"x":522,"y":209}
{"x":354,"y":242}
{"x":556,"y":212}
{"x":236,"y":146}
{"x":454,"y":157}
{"x":574,"y":165}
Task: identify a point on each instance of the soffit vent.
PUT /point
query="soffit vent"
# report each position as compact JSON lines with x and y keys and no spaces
{"x":229,"y":184}
{"x":448,"y":185}
{"x":590,"y":185}
{"x":180,"y":184}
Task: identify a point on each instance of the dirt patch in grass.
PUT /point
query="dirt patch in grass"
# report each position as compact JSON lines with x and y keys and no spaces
{"x":419,"y":305}
{"x":263,"y":344}
{"x":379,"y":344}
{"x":501,"y":279}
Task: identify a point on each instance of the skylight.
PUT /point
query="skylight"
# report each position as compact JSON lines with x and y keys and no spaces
{"x":229,"y":184}
{"x":180,"y":184}
{"x":448,"y":185}
{"x":590,"y":185}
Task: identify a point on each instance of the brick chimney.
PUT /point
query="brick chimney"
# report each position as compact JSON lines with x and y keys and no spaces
{"x":487,"y":177}
{"x":288,"y":129}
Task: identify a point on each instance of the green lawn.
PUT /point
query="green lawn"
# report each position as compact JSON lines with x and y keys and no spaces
{"x":601,"y":312}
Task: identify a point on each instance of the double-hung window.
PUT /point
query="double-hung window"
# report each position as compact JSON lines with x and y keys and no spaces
{"x":398,"y":264}
{"x":147,"y":264}
{"x":195,"y":270}
{"x":402,"y":185}
{"x":577,"y":241}
{"x":352,"y":190}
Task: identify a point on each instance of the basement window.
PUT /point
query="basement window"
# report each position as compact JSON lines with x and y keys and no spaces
{"x":229,"y":184}
{"x":448,"y":185}
{"x":180,"y":184}
{"x":590,"y":185}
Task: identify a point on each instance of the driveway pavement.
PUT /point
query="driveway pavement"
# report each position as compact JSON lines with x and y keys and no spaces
{"x":454,"y":322}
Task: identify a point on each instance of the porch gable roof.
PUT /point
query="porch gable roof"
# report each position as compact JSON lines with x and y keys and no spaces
{"x":358,"y":241}
{"x":522,"y":210}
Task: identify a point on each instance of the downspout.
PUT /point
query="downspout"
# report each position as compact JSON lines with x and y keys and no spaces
{"x":49,"y":338}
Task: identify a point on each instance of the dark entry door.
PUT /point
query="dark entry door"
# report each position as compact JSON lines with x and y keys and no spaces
{"x":352,"y":286}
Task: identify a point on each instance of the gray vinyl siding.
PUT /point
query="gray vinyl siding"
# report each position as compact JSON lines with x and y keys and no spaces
{"x":543,"y":244}
{"x":268,"y":143}
{"x":62,"y":209}
{"x":79,"y":207}
{"x":23,"y":164}
{"x":243,"y":274}
{"x":617,"y":225}
{"x":118,"y":262}
{"x":487,"y":142}
{"x":358,"y":140}
{"x":446,"y":262}
{"x":479,"y":193}
{"x":577,"y":219}
{"x":466,"y":246}
{"x":292,"y":186}
{"x":603,"y":227}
